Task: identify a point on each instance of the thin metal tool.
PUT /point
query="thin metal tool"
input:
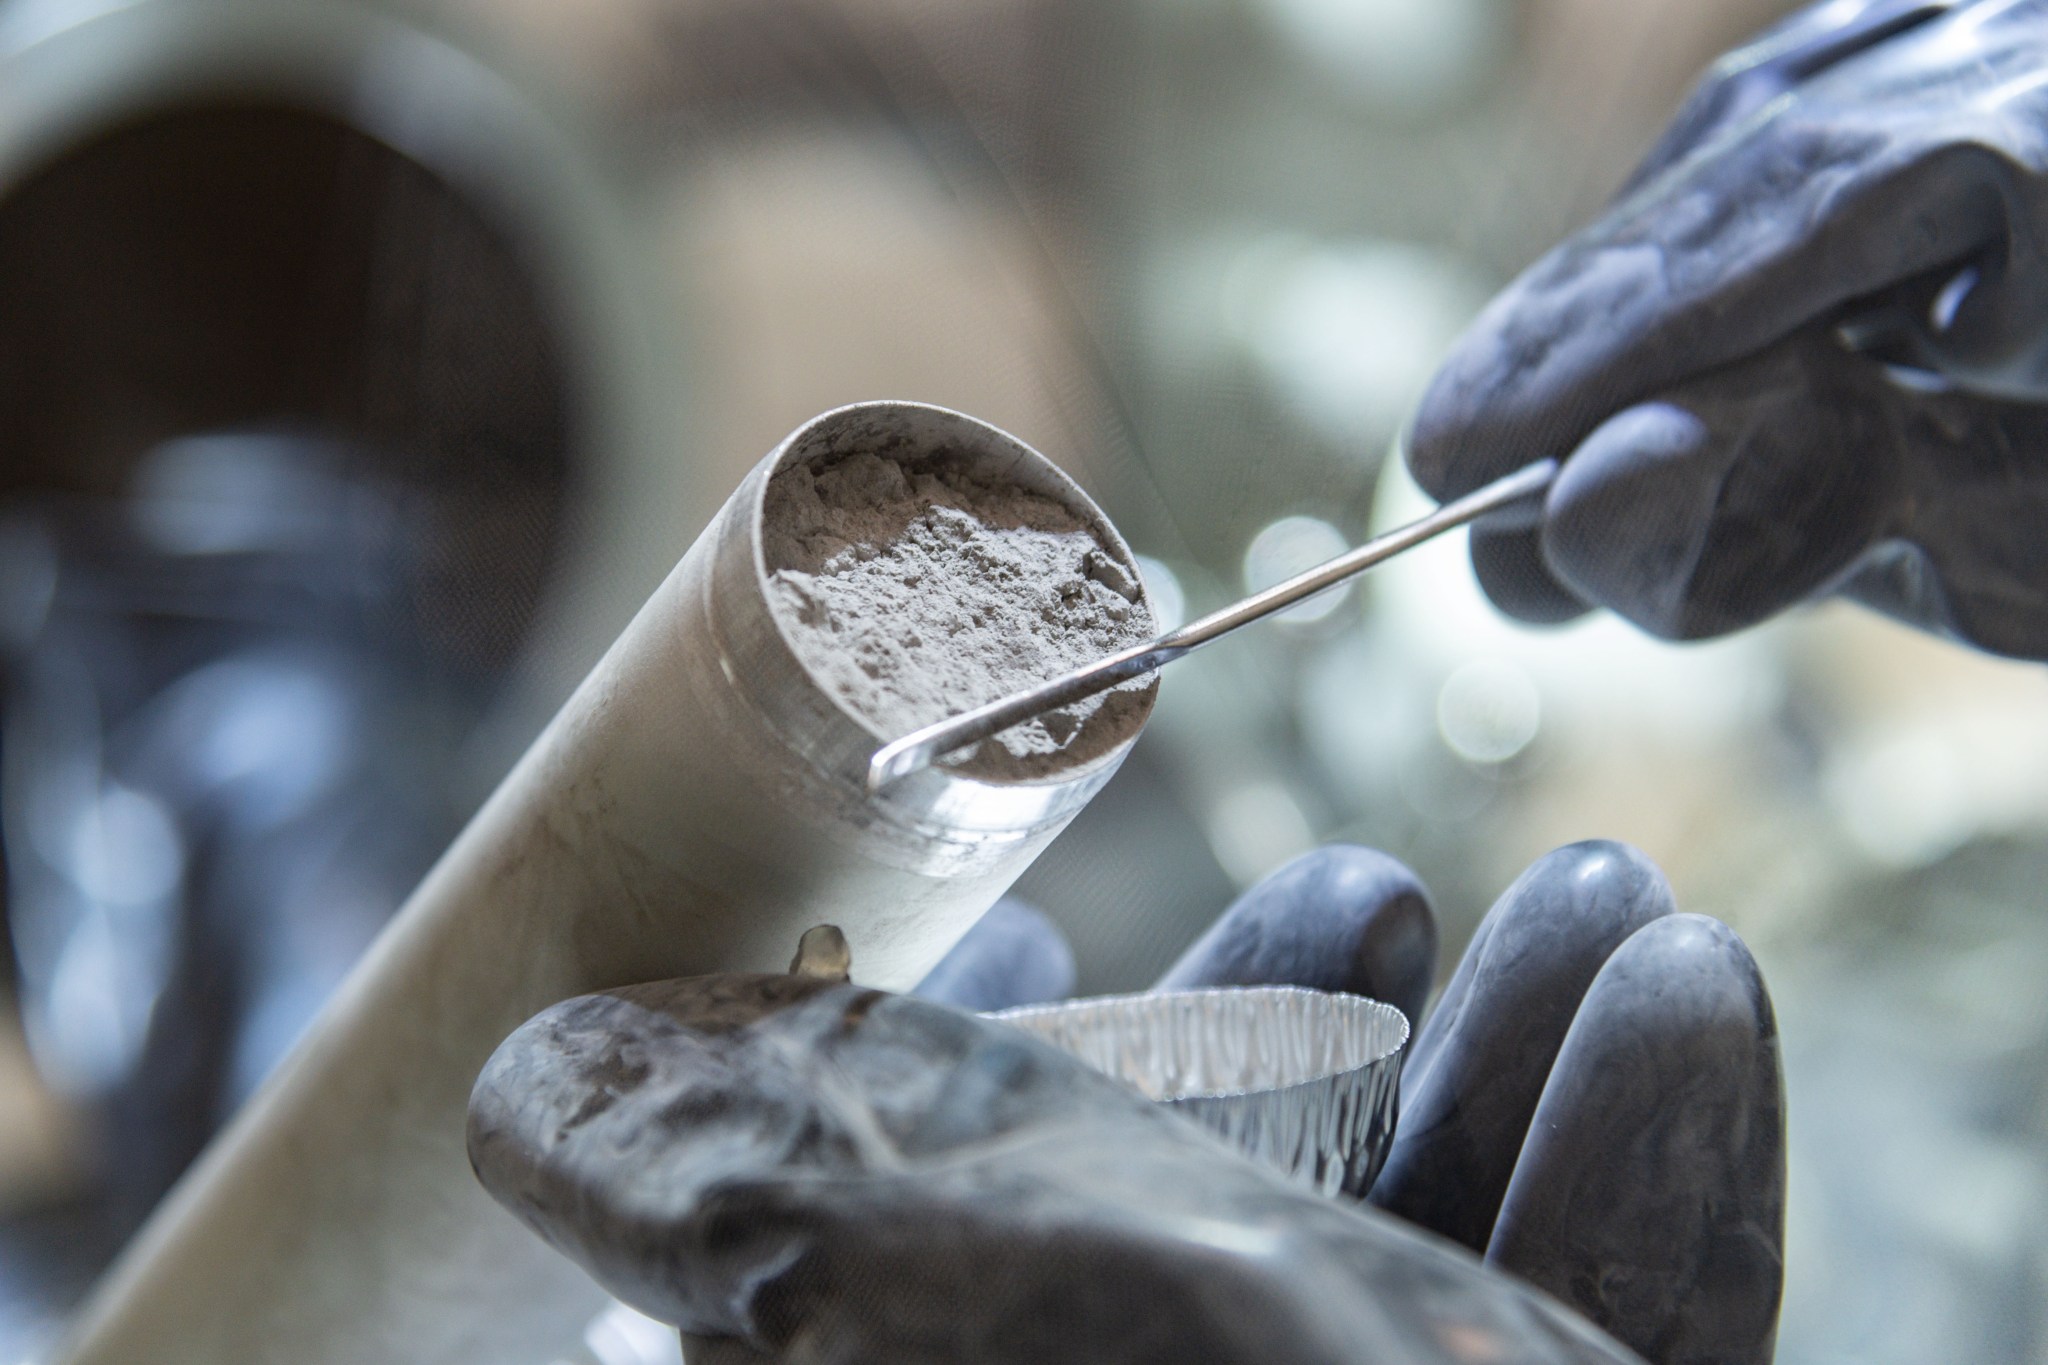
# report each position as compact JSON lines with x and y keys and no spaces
{"x":921,"y":748}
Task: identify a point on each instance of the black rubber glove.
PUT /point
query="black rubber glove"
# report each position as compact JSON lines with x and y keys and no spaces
{"x":810,"y":1173}
{"x":801,"y":1171}
{"x":1594,"y":1106}
{"x":1802,"y":352}
{"x":1014,"y":955}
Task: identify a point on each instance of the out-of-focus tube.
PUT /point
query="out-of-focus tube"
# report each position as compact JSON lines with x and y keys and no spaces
{"x":695,"y":806}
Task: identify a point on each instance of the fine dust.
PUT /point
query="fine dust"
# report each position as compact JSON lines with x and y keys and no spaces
{"x":914,"y":593}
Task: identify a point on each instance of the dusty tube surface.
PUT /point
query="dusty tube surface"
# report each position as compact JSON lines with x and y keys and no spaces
{"x":695,"y":806}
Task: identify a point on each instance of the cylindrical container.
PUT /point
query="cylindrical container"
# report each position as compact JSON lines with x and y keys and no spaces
{"x":1304,"y":1081}
{"x":695,"y":806}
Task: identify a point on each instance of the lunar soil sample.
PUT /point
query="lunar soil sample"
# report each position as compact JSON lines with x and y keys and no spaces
{"x":916,"y":591}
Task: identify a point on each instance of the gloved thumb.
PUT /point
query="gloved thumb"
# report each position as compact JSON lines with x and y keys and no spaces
{"x":1720,"y":503}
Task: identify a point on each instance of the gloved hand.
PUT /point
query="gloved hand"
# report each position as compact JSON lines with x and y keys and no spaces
{"x":1594,"y":1106}
{"x":803,"y":1172}
{"x":1803,"y":351}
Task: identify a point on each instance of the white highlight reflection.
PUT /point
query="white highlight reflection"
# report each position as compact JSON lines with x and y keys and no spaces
{"x":1488,"y":711}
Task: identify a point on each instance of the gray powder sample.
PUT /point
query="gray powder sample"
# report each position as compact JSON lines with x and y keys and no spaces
{"x":914,"y":593}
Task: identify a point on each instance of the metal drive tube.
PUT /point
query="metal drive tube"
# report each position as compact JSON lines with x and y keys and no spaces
{"x":695,"y":806}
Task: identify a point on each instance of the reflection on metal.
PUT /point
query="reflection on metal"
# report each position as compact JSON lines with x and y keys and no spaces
{"x":1302,"y":1080}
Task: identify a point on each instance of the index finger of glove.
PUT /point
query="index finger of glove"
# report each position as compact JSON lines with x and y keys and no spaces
{"x":1725,"y":501}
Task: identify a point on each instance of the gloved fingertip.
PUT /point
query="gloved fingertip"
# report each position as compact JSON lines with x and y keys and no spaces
{"x":1575,"y":903}
{"x":1476,"y":1071}
{"x":1429,"y":443}
{"x":1473,"y":423}
{"x":1626,"y":518}
{"x":1338,"y":918}
{"x":1650,"y":1194}
{"x":1014,"y":955}
{"x":1511,"y":569}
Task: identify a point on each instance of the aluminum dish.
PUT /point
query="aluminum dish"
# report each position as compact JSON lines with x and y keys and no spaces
{"x":1305,"y":1081}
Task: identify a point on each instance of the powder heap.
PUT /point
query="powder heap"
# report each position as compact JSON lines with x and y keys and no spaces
{"x":915,"y":592}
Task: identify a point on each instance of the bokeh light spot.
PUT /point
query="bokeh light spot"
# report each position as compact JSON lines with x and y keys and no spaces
{"x":1488,"y":711}
{"x":1288,"y":547}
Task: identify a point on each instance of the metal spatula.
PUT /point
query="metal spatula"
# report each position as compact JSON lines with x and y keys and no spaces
{"x":921,"y":748}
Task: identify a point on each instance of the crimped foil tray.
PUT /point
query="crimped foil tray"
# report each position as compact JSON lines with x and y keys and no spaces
{"x":1303,"y":1080}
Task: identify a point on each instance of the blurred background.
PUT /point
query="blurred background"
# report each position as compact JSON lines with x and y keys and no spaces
{"x":363,"y":366}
